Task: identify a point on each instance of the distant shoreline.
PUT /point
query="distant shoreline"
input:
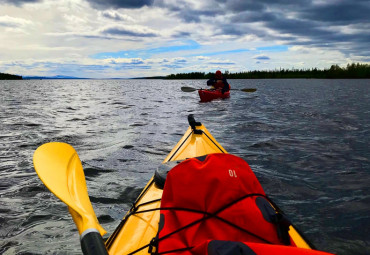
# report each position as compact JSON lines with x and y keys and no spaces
{"x":352,"y":71}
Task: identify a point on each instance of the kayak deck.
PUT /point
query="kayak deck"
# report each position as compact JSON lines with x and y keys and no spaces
{"x":137,"y":229}
{"x":140,"y":225}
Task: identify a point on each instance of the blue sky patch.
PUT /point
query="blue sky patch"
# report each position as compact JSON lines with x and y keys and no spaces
{"x":221,"y":52}
{"x":275,"y":48}
{"x":147,"y":53}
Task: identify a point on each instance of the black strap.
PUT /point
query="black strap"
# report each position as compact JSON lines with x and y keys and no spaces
{"x":207,"y":216}
{"x":282,"y":228}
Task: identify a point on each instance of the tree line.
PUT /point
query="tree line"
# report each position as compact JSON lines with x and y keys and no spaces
{"x":351,"y":71}
{"x":5,"y":76}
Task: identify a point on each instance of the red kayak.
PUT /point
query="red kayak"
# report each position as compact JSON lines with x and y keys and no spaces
{"x":208,"y":95}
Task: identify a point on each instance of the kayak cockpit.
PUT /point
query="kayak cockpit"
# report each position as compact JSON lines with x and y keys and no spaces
{"x":161,"y":172}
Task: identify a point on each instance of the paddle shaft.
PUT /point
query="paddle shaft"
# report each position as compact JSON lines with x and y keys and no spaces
{"x":191,"y":89}
{"x":92,"y":243}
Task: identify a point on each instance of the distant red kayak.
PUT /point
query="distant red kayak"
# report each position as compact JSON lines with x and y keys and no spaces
{"x":208,"y":95}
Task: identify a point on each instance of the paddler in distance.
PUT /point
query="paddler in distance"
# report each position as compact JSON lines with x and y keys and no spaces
{"x":219,"y":82}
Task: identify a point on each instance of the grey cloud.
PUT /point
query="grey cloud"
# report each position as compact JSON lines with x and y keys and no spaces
{"x":59,"y":66}
{"x":221,"y":63}
{"x":287,"y":2}
{"x":340,"y":12}
{"x":252,"y":5}
{"x":114,"y":15}
{"x":127,"y":32}
{"x":334,"y":11}
{"x":181,"y":34}
{"x":7,"y":24}
{"x":318,"y":35}
{"x":250,"y":17}
{"x":19,"y":2}
{"x":237,"y":29}
{"x":262,"y":57}
{"x":75,"y":68}
{"x":316,"y":25}
{"x":132,"y":67}
{"x":195,"y":15}
{"x":188,"y":13}
{"x":180,"y":61}
{"x":172,"y":66}
{"x":232,"y":30}
{"x":295,"y":26}
{"x":13,"y":22}
{"x":237,"y":5}
{"x":132,"y":62}
{"x":109,"y":4}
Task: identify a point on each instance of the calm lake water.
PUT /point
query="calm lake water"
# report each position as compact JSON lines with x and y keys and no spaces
{"x":306,"y":140}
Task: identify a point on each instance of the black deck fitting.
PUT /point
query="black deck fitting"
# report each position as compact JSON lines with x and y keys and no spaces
{"x":193,"y":124}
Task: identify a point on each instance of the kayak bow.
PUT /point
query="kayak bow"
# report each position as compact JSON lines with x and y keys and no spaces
{"x":141,"y":229}
{"x":140,"y":225}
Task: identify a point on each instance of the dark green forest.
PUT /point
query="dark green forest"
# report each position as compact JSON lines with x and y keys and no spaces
{"x":352,"y":71}
{"x":5,"y":76}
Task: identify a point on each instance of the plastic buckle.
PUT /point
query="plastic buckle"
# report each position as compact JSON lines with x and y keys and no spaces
{"x":153,"y":246}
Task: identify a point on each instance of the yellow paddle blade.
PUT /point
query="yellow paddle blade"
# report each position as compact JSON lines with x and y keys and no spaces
{"x":60,"y":169}
{"x":188,"y":89}
{"x":249,"y":90}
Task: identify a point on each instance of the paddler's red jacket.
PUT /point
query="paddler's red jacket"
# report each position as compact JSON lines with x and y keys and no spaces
{"x":219,"y":83}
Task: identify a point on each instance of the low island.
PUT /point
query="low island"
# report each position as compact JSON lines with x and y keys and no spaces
{"x":5,"y":76}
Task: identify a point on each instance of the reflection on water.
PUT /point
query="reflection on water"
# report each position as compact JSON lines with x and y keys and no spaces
{"x":307,"y":141}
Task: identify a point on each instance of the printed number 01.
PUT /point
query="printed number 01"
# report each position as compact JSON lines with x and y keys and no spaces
{"x":232,"y":173}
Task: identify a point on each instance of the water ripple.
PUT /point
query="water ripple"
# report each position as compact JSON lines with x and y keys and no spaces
{"x":306,"y":140}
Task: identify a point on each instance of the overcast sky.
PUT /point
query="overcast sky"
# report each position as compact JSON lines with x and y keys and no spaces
{"x":136,"y":38}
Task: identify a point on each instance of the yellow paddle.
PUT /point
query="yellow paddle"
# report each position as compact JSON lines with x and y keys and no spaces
{"x":250,"y":90}
{"x":60,"y":169}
